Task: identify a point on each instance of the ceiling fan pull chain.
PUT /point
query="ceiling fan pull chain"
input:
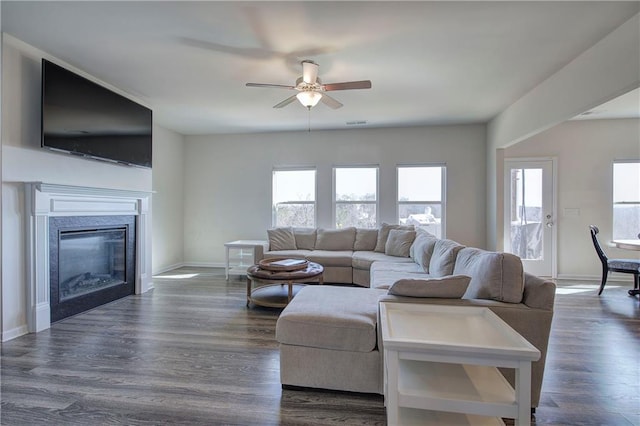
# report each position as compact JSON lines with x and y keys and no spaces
{"x":309,"y":112}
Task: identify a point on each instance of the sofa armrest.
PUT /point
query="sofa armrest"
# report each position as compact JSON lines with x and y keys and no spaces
{"x":538,"y":292}
{"x":259,"y":251}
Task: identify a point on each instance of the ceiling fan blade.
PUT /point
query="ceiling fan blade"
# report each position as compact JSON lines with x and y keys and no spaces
{"x":285,"y":102}
{"x":309,"y":72}
{"x":330,"y":102}
{"x":348,"y":85}
{"x":277,"y":86}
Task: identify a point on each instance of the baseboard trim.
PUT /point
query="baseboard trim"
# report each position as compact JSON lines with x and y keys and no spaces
{"x":13,"y":333}
{"x":169,"y":268}
{"x":204,"y":264}
{"x":614,"y":277}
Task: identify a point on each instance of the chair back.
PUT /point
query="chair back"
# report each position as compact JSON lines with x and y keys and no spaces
{"x":594,"y":231}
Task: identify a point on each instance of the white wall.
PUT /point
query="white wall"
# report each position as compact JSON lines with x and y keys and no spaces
{"x":608,"y":69}
{"x":228,"y":178}
{"x":168,"y":200}
{"x":23,"y":160}
{"x":585,"y":151}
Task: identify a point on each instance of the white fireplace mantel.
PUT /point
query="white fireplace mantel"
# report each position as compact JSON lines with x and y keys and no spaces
{"x":44,"y":200}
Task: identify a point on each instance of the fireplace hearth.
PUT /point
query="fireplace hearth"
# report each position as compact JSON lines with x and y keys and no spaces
{"x":92,"y":262}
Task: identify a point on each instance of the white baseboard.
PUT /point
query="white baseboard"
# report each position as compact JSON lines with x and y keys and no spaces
{"x":204,"y":264}
{"x":168,"y":268}
{"x":612,"y":277}
{"x":16,"y":332}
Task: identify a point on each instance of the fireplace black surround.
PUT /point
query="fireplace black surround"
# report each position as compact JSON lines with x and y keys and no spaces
{"x":92,"y":262}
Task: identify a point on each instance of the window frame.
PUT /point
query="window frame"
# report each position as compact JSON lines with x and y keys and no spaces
{"x":443,"y":193}
{"x":315,"y":192}
{"x":620,"y":203}
{"x":336,"y":202}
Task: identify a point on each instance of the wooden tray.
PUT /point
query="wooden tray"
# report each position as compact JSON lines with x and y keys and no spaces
{"x":272,"y":264}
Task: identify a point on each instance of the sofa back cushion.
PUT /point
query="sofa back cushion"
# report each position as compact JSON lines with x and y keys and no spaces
{"x":443,"y":258}
{"x":281,"y":239}
{"x":383,"y":234}
{"x":335,"y":239}
{"x":422,"y":249}
{"x":305,"y":238}
{"x":494,"y":276}
{"x":399,"y":242}
{"x":366,"y":239}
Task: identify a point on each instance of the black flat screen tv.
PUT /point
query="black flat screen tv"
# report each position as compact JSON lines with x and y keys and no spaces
{"x":83,"y":118}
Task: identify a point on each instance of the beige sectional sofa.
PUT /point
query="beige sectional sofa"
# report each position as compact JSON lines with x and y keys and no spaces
{"x":346,"y":254}
{"x":329,"y":335}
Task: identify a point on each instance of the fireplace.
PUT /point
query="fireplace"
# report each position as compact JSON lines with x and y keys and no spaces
{"x":91,"y":262}
{"x":115,"y":223}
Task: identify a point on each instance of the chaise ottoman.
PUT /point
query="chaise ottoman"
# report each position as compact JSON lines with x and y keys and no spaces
{"x":328,"y":339}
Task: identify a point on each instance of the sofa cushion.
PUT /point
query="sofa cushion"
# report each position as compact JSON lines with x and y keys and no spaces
{"x":449,"y":287}
{"x":495,"y":276}
{"x":336,"y":239}
{"x":384,"y":274}
{"x":422,"y":249}
{"x":366,"y":239}
{"x":281,"y":239}
{"x":328,"y":317}
{"x":399,"y":242}
{"x":305,"y":238}
{"x":383,"y":234}
{"x":331,"y":257}
{"x":364,"y":259}
{"x":443,"y":258}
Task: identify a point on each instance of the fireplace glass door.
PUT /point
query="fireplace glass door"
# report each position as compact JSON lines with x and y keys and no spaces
{"x":93,"y":260}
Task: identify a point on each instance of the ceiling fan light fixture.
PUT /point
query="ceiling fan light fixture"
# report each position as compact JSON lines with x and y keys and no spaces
{"x":309,"y":98}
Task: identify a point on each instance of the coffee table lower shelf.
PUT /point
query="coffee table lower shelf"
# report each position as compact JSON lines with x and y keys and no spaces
{"x":273,"y":295}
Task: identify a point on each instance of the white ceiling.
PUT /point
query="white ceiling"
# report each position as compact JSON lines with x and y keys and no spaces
{"x":429,"y":62}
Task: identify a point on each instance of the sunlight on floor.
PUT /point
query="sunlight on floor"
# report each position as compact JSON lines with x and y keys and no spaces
{"x":580,"y":288}
{"x":176,"y":276}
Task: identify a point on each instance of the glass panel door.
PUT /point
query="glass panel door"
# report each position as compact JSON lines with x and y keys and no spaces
{"x":529,"y":214}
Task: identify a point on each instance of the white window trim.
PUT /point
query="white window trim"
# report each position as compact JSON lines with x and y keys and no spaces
{"x":315,"y":183}
{"x":443,"y":193}
{"x":620,"y":203}
{"x":335,"y":202}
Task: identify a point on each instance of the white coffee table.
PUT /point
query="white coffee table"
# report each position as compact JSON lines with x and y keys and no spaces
{"x":444,"y":359}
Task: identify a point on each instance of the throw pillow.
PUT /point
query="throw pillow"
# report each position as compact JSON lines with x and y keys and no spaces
{"x":383,"y":234}
{"x":399,"y":242}
{"x":336,"y":239}
{"x":449,"y":287}
{"x":366,"y":239}
{"x":281,"y":239}
{"x":443,"y":258}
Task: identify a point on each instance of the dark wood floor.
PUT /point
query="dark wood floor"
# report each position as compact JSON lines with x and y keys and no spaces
{"x":190,"y":352}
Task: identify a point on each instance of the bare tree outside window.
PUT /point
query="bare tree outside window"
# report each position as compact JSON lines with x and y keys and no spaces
{"x":355,"y":195}
{"x":294,"y":198}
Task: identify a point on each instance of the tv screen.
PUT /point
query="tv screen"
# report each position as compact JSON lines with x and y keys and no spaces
{"x":84,"y":118}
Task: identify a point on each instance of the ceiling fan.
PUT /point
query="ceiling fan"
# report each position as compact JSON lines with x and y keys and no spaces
{"x":311,"y":90}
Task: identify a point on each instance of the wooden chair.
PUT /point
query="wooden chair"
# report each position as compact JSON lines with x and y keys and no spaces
{"x":627,"y":266}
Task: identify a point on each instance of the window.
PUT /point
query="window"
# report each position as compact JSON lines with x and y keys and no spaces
{"x":355,"y":192}
{"x":294,"y":198}
{"x":626,"y":200}
{"x":421,"y":192}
